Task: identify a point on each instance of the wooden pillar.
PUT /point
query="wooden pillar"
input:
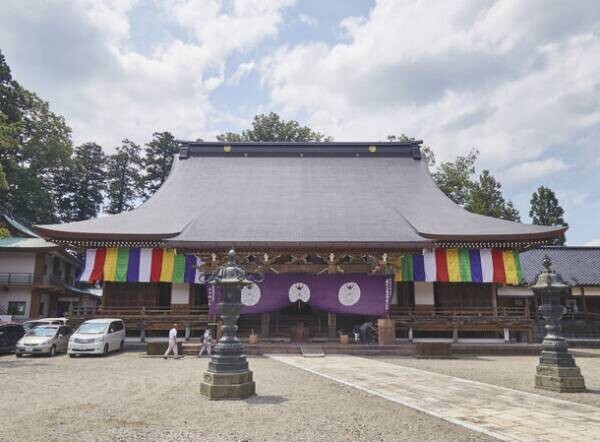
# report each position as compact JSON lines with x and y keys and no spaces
{"x":187,"y":333}
{"x":455,"y":334}
{"x":143,"y":334}
{"x":331,"y":322}
{"x":410,"y":334}
{"x":265,"y":319}
{"x":494,"y":295}
{"x":387,"y":331}
{"x":506,"y":335}
{"x":584,"y":304}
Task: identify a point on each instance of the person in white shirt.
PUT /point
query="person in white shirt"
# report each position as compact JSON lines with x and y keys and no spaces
{"x":172,"y":342}
{"x":206,"y":343}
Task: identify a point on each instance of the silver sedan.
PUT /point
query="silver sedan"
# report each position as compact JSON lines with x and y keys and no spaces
{"x":44,"y":339}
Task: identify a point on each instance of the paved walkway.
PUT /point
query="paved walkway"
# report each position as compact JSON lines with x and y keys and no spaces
{"x":500,"y":412}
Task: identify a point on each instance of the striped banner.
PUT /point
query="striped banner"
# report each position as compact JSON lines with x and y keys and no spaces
{"x":120,"y":264}
{"x":462,"y":265}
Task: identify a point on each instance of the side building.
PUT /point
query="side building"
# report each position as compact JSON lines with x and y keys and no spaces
{"x":343,"y":232}
{"x":37,"y":277}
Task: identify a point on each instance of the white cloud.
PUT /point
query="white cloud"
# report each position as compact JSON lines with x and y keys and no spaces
{"x":106,"y":89}
{"x":242,"y":70}
{"x":534,"y":170}
{"x":308,"y":20}
{"x":459,"y":75}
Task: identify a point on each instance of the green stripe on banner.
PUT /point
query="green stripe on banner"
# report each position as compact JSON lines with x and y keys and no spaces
{"x":407,"y":268}
{"x":518,"y":266}
{"x":178,"y":268}
{"x":122,"y":264}
{"x":464,"y":265}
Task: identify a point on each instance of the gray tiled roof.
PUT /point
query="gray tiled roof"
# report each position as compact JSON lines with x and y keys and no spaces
{"x":338,"y":194}
{"x":576,"y":265}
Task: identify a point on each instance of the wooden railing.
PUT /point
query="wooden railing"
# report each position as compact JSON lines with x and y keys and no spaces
{"x":458,"y":312}
{"x":136,"y":312}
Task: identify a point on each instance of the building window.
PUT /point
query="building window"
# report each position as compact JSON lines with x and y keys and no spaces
{"x":16,"y":308}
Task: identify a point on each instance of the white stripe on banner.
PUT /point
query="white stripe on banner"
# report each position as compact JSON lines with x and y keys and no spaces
{"x":145,"y":264}
{"x":90,"y":259}
{"x":430,"y":266}
{"x":487,"y":265}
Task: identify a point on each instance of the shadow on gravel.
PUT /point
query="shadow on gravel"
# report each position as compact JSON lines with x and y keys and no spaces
{"x":19,"y":364}
{"x":265,"y":400}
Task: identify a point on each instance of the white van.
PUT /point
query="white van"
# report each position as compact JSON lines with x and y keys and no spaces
{"x":97,"y":336}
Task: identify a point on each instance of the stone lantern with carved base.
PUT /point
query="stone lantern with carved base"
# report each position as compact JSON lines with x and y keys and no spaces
{"x":557,"y":370}
{"x":228,"y":375}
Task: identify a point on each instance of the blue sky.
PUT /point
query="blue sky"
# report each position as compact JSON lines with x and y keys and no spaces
{"x":519,"y":81}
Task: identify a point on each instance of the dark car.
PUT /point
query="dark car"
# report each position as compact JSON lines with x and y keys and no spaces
{"x":9,"y":335}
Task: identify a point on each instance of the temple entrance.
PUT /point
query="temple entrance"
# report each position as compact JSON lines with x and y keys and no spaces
{"x":299,"y":322}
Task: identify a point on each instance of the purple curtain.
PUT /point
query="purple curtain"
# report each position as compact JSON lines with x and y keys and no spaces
{"x":341,"y":293}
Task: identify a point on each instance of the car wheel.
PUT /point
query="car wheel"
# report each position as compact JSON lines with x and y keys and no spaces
{"x":71,"y":355}
{"x":52,"y":351}
{"x":18,"y":355}
{"x":105,"y":351}
{"x":122,"y":346}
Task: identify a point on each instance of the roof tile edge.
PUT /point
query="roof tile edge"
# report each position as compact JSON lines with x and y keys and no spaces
{"x":409,"y":149}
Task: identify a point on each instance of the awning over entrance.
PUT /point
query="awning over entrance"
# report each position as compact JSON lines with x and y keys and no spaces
{"x":342,"y":293}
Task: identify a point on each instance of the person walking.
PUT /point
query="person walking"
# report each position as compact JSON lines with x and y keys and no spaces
{"x":206,"y":343}
{"x":172,"y":342}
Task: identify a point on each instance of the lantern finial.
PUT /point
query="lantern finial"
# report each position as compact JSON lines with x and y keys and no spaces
{"x":547,"y":262}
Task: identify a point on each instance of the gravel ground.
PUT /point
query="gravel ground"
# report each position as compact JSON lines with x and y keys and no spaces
{"x":129,"y":396}
{"x":513,"y":372}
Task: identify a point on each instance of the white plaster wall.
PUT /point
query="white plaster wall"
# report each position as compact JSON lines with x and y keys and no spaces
{"x":16,"y":294}
{"x":424,"y":293}
{"x":18,"y":262}
{"x":180,"y":293}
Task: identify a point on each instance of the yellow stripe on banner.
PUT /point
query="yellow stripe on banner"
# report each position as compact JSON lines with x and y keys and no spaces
{"x":509,"y":267}
{"x":110,"y":264}
{"x":168,"y":263}
{"x":453,"y":261}
{"x":398,"y":274}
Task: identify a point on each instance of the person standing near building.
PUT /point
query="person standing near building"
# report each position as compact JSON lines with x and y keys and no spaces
{"x":206,"y":343}
{"x":172,"y":342}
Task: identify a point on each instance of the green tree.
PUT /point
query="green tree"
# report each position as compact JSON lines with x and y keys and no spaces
{"x":454,"y":178}
{"x":86,"y":180}
{"x":158,"y":160}
{"x":35,"y":146}
{"x":124,"y":178}
{"x":546,"y":211}
{"x":272,"y":128}
{"x":485,"y":198}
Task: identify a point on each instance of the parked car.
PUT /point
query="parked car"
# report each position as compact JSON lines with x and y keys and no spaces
{"x":44,"y":339}
{"x":98,"y":336}
{"x":9,"y":336}
{"x":28,"y":325}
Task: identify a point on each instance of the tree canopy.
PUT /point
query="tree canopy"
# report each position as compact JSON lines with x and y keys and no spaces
{"x":272,"y":128}
{"x":546,"y":211}
{"x":158,"y":159}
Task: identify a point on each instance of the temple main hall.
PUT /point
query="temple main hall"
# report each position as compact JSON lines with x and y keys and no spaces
{"x":343,"y":232}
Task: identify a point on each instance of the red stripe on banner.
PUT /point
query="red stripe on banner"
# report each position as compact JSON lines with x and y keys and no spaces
{"x":498,"y":263}
{"x":98,"y":269}
{"x":442,"y":265}
{"x":156,"y":267}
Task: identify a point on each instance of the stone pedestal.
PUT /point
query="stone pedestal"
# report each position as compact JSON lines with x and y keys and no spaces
{"x":217,"y":386}
{"x":561,"y":379}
